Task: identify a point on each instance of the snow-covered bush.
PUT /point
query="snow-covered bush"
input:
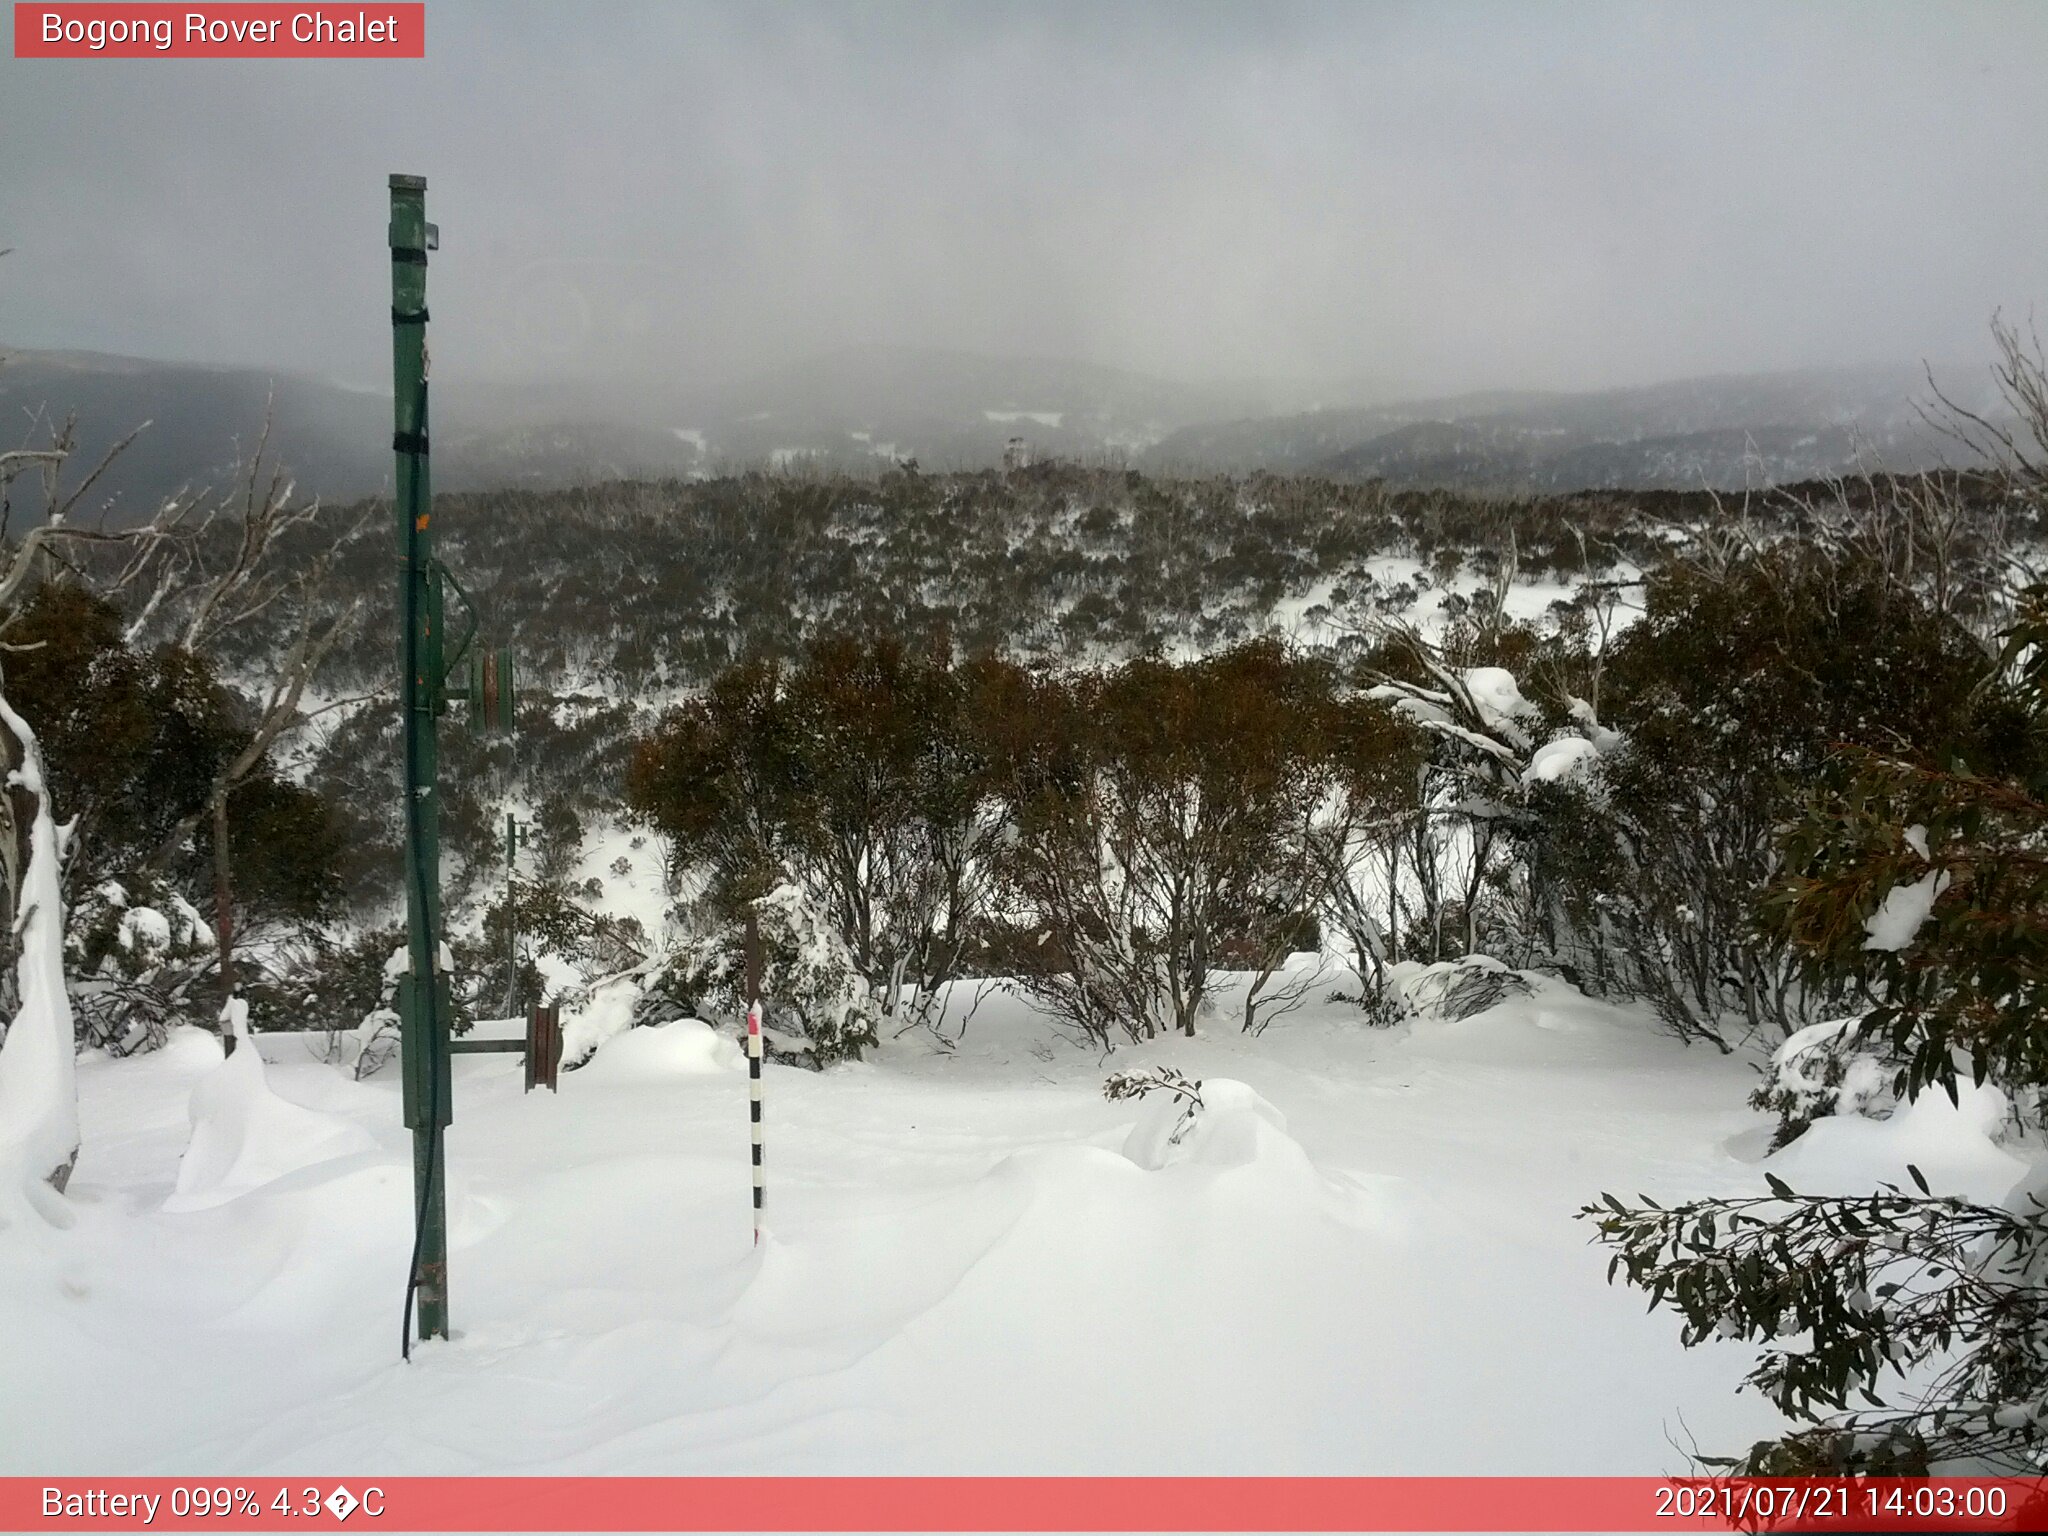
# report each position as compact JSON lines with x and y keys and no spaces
{"x":815,"y":1006}
{"x":141,"y":959}
{"x":373,"y":1044}
{"x":1753,"y":662}
{"x":1453,"y":989}
{"x":1937,"y":1298}
{"x":349,"y":991}
{"x":1162,"y":818}
{"x":1824,"y":1069}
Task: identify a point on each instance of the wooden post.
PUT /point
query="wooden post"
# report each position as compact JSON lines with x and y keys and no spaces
{"x":544,"y":1047}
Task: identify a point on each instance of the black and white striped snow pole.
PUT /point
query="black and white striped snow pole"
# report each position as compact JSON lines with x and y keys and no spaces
{"x":754,"y":1109}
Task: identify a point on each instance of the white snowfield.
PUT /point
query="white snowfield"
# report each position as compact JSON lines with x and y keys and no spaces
{"x":1361,"y":1258}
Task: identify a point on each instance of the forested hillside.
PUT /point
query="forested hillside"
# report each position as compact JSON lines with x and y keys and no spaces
{"x":1155,"y":758}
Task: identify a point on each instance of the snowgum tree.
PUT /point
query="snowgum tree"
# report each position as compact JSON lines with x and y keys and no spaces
{"x":1483,"y":733}
{"x":234,"y":567}
{"x":1487,"y":829}
{"x":861,"y":773}
{"x":39,"y":1137}
{"x":1163,"y":821}
{"x":136,"y":728}
{"x":1939,"y":1301}
{"x":38,"y":1090}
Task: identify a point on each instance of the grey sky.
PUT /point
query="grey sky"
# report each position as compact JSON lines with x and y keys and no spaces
{"x":1433,"y":196}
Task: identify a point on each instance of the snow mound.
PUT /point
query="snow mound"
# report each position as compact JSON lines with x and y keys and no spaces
{"x":188,"y":1048}
{"x":244,"y":1135}
{"x":1955,"y":1145}
{"x":1233,"y":1126}
{"x":681,"y":1048}
{"x":1076,"y":1246}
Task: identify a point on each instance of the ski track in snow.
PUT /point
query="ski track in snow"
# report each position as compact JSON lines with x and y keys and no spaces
{"x":964,"y":1273}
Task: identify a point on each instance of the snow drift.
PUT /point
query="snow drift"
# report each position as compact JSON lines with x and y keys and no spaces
{"x":681,"y":1048}
{"x":244,"y":1135}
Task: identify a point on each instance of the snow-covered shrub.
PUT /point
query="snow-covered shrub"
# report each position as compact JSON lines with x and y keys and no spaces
{"x":1824,"y":1069}
{"x":141,"y":959}
{"x":350,"y":991}
{"x":1162,"y":817}
{"x":1754,"y":661}
{"x":563,"y":946}
{"x":815,"y":1006}
{"x":1453,"y":989}
{"x":1375,"y":1000}
{"x":332,"y":985}
{"x":373,"y":1044}
{"x":1935,"y":1298}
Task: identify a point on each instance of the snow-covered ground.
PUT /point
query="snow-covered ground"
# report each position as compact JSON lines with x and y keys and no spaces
{"x":1363,"y":1260}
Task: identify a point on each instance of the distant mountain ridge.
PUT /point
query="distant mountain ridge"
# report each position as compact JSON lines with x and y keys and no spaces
{"x":867,"y":409}
{"x":1689,"y":434}
{"x":196,"y":425}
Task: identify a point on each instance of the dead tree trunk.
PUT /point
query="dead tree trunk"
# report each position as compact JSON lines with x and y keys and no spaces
{"x":224,"y":911}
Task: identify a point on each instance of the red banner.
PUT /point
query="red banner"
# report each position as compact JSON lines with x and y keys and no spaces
{"x":103,"y":31}
{"x":1018,"y":1504}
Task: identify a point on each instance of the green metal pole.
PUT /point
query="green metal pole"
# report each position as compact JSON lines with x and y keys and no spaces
{"x":511,"y":911}
{"x":423,"y":989}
